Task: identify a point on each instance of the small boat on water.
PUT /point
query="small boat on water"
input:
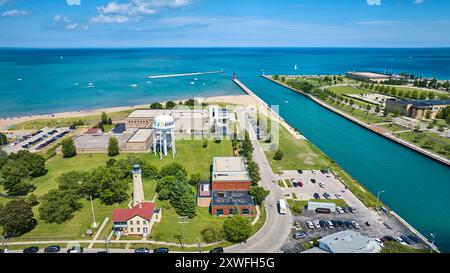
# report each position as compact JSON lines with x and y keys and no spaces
{"x":91,"y":85}
{"x":295,"y":67}
{"x":76,"y":84}
{"x":192,"y":83}
{"x":149,"y":82}
{"x":195,"y":79}
{"x":20,"y":79}
{"x":134,"y":85}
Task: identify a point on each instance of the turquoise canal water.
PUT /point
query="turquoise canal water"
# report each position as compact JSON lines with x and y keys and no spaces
{"x":417,"y":187}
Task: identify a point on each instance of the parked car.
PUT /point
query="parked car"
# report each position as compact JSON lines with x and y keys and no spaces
{"x":355,"y":225}
{"x":75,"y":250}
{"x":313,"y":180}
{"x":31,"y":249}
{"x":387,"y":238}
{"x":313,"y":171}
{"x":300,"y":183}
{"x":340,"y":210}
{"x":379,"y":242}
{"x":405,"y":239}
{"x":335,"y":223}
{"x":400,"y":241}
{"x":322,"y":223}
{"x":322,"y":185}
{"x":316,"y":195}
{"x":329,"y":224}
{"x":310,"y":224}
{"x":367,"y":224}
{"x":348,"y":224}
{"x":316,"y":224}
{"x":327,"y":195}
{"x":345,"y":210}
{"x":338,"y":196}
{"x":297,"y":224}
{"x":352,"y":210}
{"x":324,"y":171}
{"x":161,"y":250}
{"x":142,"y":250}
{"x":52,"y":249}
{"x":216,"y":250}
{"x":295,"y":184}
{"x":341,"y":223}
{"x":300,"y":171}
{"x":299,"y":235}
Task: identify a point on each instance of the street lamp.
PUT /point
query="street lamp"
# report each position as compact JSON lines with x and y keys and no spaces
{"x":94,"y":224}
{"x":432,"y":241}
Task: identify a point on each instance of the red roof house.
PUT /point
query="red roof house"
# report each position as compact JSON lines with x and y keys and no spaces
{"x":144,"y":210}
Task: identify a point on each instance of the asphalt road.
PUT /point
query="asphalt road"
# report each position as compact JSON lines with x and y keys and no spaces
{"x":271,"y":237}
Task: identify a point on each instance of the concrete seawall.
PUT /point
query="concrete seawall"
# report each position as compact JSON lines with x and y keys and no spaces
{"x":365,"y":125}
{"x":279,"y":119}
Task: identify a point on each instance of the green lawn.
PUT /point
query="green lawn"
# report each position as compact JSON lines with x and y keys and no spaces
{"x":297,"y":154}
{"x":170,"y":227}
{"x":303,"y":203}
{"x":347,"y":90}
{"x":359,"y":114}
{"x":429,"y":141}
{"x":394,"y":247}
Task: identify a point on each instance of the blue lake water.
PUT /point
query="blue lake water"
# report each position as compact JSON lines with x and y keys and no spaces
{"x":417,"y":187}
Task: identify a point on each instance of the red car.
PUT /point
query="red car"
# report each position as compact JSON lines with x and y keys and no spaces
{"x":300,"y":183}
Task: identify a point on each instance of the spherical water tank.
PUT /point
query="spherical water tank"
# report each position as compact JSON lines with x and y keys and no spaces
{"x":163,"y":122}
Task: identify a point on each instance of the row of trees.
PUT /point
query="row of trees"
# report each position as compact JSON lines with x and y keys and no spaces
{"x":444,"y":114}
{"x":18,"y":169}
{"x":411,"y":94}
{"x":171,"y":104}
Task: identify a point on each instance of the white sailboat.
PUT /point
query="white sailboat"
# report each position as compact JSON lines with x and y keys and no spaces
{"x":295,"y":67}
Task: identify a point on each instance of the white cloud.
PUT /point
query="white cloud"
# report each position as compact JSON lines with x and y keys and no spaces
{"x":373,"y":2}
{"x":57,"y":18}
{"x":73,"y":2}
{"x":15,"y":12}
{"x":109,"y":19}
{"x":418,"y":1}
{"x":115,"y":12}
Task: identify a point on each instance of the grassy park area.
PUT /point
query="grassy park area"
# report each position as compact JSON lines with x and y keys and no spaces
{"x":297,"y":154}
{"x":82,"y":219}
{"x":428,"y":141}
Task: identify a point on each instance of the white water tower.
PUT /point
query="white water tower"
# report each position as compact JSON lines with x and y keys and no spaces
{"x":163,"y":134}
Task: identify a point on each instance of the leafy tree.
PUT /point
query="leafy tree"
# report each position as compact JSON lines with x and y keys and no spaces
{"x":3,"y":139}
{"x":170,"y":104}
{"x":110,"y":121}
{"x":17,"y":218}
{"x":68,"y":148}
{"x":212,"y":235}
{"x":58,"y":206}
{"x":34,"y":163}
{"x":205,"y":143}
{"x":237,"y":228}
{"x":15,"y":178}
{"x":423,"y":96}
{"x":32,"y":200}
{"x":174,"y":169}
{"x":186,"y":204}
{"x":113,"y":146}
{"x":156,"y":105}
{"x":431,"y":95}
{"x":195,"y":179}
{"x":428,"y":114}
{"x":253,"y":170}
{"x":377,"y":109}
{"x":164,"y":187}
{"x":111,"y":189}
{"x":73,"y":181}
{"x":104,"y":118}
{"x":278,"y":155}
{"x":259,"y":194}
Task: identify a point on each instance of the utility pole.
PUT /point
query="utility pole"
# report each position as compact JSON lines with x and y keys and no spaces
{"x":378,"y":199}
{"x":432,"y":242}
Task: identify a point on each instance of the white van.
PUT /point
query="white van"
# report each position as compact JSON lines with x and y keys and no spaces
{"x":282,"y":206}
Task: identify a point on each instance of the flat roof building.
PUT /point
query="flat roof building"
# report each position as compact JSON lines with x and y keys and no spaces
{"x":416,"y":108}
{"x":229,"y":169}
{"x":367,"y":76}
{"x":346,"y":241}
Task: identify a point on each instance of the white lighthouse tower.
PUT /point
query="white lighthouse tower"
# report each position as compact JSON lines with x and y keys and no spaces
{"x":138,"y":190}
{"x":163,"y":128}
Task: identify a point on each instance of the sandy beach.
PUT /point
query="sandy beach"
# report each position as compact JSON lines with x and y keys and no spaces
{"x":6,"y":122}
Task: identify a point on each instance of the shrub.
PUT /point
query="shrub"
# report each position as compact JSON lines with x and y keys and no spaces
{"x":278,"y":155}
{"x":68,"y":148}
{"x":237,"y":228}
{"x":212,"y":235}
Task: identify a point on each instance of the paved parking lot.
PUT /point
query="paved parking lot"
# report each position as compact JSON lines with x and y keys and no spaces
{"x":44,"y":135}
{"x":380,"y":223}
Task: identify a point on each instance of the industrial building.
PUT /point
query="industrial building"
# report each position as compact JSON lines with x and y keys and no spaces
{"x":416,"y":108}
{"x":228,"y":191}
{"x":346,"y":241}
{"x":368,"y":76}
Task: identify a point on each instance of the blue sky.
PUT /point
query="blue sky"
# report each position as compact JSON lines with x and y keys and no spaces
{"x":215,"y":23}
